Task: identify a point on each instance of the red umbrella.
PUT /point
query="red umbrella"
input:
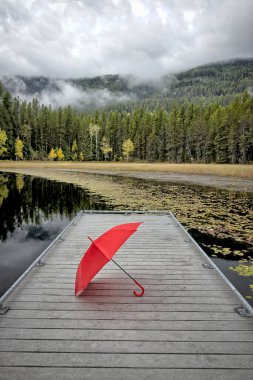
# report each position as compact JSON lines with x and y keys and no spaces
{"x":100,"y":252}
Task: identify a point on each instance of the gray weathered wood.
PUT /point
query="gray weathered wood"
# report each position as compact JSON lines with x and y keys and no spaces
{"x":38,"y":373}
{"x":184,"y":327}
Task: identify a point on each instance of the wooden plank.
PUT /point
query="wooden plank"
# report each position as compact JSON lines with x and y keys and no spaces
{"x":144,"y":335}
{"x":18,"y":317}
{"x":238,"y":348}
{"x":126,"y":285}
{"x":151,"y":282}
{"x":156,"y":325}
{"x":36,"y":373}
{"x":170,"y":308}
{"x":207,"y":275}
{"x":110,"y":360}
{"x":126,"y":292}
{"x":129,"y":299}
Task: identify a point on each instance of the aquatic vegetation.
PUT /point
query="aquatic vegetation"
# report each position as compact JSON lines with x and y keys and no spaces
{"x":243,"y":270}
{"x":221,"y":220}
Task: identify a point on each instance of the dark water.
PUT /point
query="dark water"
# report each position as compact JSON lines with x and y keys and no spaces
{"x":221,"y":221}
{"x":33,"y":212}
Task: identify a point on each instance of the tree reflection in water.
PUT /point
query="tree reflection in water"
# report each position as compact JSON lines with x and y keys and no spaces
{"x":33,"y":211}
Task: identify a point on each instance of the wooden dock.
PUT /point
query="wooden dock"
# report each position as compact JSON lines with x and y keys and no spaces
{"x":184,"y":327}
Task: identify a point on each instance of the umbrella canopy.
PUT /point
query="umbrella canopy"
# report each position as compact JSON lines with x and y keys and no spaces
{"x":100,"y":252}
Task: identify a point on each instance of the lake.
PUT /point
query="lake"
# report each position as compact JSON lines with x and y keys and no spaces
{"x":35,"y":210}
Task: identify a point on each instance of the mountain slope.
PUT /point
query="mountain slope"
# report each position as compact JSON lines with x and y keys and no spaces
{"x":222,"y":80}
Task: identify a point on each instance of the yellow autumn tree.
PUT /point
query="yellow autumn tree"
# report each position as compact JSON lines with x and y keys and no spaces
{"x":81,"y":156}
{"x":3,"y":139}
{"x":105,"y":147}
{"x":127,"y":148}
{"x":19,"y":145}
{"x":60,"y":154}
{"x":74,"y":150}
{"x":52,"y":155}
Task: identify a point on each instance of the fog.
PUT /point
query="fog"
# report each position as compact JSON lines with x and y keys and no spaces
{"x":60,"y":92}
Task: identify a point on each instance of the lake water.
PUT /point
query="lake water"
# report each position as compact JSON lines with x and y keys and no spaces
{"x":34,"y":211}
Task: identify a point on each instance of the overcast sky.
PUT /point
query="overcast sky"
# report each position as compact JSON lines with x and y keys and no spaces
{"x":147,"y":38}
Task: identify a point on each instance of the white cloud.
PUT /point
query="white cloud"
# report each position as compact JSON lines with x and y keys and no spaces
{"x":80,"y":38}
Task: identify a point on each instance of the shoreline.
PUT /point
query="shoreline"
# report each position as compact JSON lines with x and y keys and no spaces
{"x":225,"y":216}
{"x":221,"y":182}
{"x":206,"y":180}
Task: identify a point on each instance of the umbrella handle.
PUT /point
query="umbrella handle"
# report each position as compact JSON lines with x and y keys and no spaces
{"x":142,"y":290}
{"x":137,"y":283}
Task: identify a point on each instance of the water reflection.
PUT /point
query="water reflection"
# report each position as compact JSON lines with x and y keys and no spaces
{"x":33,"y":211}
{"x":219,"y":220}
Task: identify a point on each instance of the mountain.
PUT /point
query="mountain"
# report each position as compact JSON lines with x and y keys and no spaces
{"x":220,"y":81}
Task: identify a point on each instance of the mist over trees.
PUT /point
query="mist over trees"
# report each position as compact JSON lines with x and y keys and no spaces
{"x":202,"y":115}
{"x":189,"y":132}
{"x":219,"y":82}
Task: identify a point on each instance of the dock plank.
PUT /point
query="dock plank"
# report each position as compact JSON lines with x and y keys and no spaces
{"x":38,"y":373}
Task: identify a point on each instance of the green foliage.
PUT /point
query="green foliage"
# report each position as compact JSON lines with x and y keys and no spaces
{"x":3,"y":139}
{"x":185,"y":132}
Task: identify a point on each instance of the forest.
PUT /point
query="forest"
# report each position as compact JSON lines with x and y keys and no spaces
{"x":203,"y":115}
{"x":189,"y":132}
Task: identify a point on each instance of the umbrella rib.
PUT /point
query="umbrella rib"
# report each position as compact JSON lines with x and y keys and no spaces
{"x":136,"y":282}
{"x":122,"y":269}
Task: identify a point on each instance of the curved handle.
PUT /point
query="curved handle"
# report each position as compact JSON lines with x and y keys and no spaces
{"x":142,"y":290}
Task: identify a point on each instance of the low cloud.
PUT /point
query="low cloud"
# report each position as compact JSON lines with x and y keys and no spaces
{"x":59,"y":92}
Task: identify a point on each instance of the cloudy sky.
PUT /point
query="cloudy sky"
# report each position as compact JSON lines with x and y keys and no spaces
{"x":147,"y":38}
